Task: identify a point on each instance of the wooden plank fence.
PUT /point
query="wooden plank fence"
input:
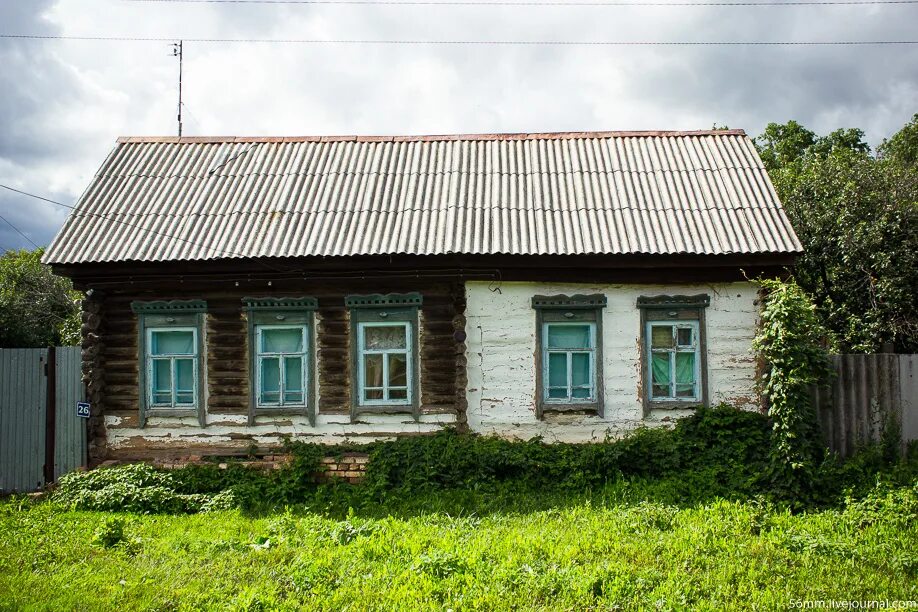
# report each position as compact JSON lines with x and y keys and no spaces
{"x":41,"y":436}
{"x":868,"y":394}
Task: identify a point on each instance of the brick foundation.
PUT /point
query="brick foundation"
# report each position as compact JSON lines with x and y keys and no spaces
{"x":349,"y":467}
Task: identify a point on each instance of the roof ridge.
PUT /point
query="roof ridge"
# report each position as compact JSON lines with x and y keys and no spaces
{"x":431,"y":138}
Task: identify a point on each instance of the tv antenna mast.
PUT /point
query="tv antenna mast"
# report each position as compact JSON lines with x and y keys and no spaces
{"x":177,"y":52}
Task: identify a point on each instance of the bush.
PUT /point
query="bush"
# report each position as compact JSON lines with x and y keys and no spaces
{"x":717,"y":452}
{"x":138,"y":488}
{"x":727,"y":445}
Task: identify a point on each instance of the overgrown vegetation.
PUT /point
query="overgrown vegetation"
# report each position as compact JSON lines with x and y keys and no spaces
{"x":791,"y":341}
{"x":719,"y":453}
{"x":856,"y":215}
{"x":37,"y":308}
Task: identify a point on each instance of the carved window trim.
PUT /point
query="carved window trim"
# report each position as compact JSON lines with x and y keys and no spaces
{"x":264,"y":313}
{"x":163,"y":315}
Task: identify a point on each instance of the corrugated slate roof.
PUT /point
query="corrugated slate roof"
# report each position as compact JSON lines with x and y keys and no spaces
{"x":162,"y":199}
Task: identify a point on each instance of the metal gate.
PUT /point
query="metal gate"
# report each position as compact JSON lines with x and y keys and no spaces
{"x":41,"y":436}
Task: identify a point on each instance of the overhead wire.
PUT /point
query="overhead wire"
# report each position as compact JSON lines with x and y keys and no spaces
{"x":589,"y":3}
{"x":571,"y":43}
{"x":19,"y":231}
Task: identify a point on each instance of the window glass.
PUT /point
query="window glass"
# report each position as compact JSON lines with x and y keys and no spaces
{"x":270,"y":380}
{"x":162,"y":381}
{"x":398,"y":371}
{"x":662,"y":336}
{"x":568,"y":336}
{"x":379,"y":337}
{"x":684,"y":335}
{"x":373,"y":370}
{"x":172,"y":343}
{"x":659,"y":366}
{"x":289,"y":340}
{"x":580,"y":369}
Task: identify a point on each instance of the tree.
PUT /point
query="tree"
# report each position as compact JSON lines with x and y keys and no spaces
{"x":902,"y":148}
{"x":857,"y":217}
{"x":37,"y":308}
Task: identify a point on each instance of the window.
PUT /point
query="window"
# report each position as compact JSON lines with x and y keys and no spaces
{"x":569,"y":361}
{"x":170,"y":347}
{"x":172,"y":366}
{"x":281,"y":355}
{"x":674,"y":363}
{"x":569,"y":353}
{"x":385,"y":360}
{"x":674,"y":360}
{"x":385,"y":346}
{"x":281,"y":365}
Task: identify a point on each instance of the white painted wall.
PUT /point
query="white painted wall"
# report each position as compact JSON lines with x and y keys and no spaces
{"x":223,"y":430}
{"x":501,"y":357}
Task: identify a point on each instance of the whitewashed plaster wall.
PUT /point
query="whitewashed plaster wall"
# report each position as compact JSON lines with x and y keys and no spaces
{"x":501,"y":357}
{"x":233,"y":431}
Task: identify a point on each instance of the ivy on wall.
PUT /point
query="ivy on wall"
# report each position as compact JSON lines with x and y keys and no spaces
{"x":792,"y":343}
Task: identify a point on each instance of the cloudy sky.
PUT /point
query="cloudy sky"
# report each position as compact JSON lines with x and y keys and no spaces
{"x":63,"y":102}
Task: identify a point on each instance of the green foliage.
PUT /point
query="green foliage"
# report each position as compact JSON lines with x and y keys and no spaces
{"x":857,"y":218}
{"x":111,"y":532}
{"x":722,"y":447}
{"x":37,"y":308}
{"x":902,"y":148}
{"x":575,"y":553}
{"x":138,"y":488}
{"x":790,"y":341}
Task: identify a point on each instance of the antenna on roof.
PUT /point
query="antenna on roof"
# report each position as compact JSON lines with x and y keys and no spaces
{"x":177,"y":52}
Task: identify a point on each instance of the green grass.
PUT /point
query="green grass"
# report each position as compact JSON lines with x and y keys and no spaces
{"x":514,"y":551}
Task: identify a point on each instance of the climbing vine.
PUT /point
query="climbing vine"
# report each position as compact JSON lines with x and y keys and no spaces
{"x":792,"y":343}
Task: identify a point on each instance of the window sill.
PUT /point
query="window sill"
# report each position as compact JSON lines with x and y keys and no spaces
{"x":674,"y":404}
{"x":279,"y":410}
{"x":385,"y":409}
{"x":589,"y":409}
{"x":172,"y":412}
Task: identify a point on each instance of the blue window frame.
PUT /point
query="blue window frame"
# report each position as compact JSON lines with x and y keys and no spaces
{"x":172,"y":367}
{"x":385,"y":363}
{"x":281,"y":374}
{"x":673,"y":360}
{"x":569,"y":362}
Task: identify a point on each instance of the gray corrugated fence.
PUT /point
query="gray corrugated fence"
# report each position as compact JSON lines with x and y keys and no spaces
{"x":70,"y":430}
{"x":866,"y":395}
{"x":24,"y":426}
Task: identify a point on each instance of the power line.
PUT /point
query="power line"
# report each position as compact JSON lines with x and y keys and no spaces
{"x":19,"y":231}
{"x":613,"y":4}
{"x":145,"y":229}
{"x":568,"y":43}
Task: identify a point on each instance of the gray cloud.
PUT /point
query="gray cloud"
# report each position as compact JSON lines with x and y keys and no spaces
{"x":65,"y":102}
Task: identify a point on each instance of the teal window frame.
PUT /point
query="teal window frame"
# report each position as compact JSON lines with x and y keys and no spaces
{"x":678,"y":310}
{"x":282,"y":358}
{"x":166,"y":316}
{"x":548,"y":351}
{"x":385,"y":309}
{"x":386,"y":354}
{"x":694,"y":348}
{"x":569,"y":310}
{"x":172,"y":359}
{"x":284,"y":313}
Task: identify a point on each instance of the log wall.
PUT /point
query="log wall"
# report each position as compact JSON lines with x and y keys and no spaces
{"x":111,"y":365}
